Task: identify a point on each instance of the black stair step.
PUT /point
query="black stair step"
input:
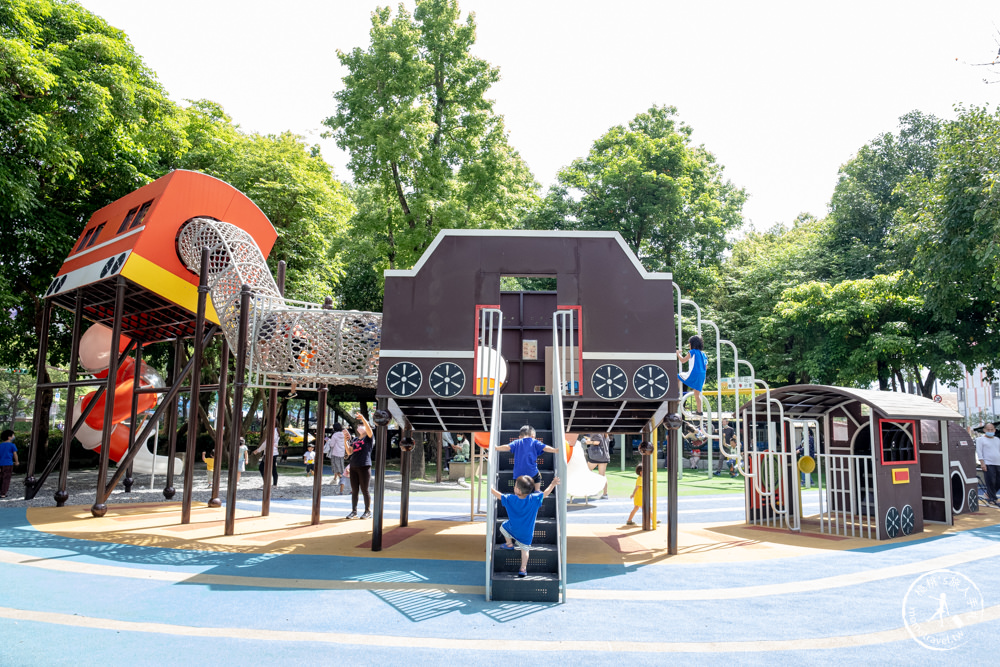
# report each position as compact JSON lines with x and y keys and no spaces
{"x":505,"y":461}
{"x":542,"y":559}
{"x":513,"y":421}
{"x":546,"y":511}
{"x":536,"y":587}
{"x":505,"y":480}
{"x":526,"y":403}
{"x":545,"y":532}
{"x":509,"y":436}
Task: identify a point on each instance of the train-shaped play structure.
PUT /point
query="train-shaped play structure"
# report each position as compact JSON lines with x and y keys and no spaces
{"x":183,"y":260}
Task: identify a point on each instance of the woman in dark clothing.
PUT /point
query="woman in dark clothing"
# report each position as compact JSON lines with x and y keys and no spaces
{"x":359,"y":453}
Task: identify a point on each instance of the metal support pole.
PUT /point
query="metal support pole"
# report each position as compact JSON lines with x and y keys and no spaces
{"x":647,"y":479}
{"x":305,"y":431}
{"x":404,"y":496}
{"x":133,"y":415}
{"x":321,"y":394}
{"x":100,"y":507}
{"x":673,"y":447}
{"x":440,"y":446}
{"x":317,"y":496}
{"x":239,"y":384}
{"x":220,"y":423}
{"x":62,"y":495}
{"x":36,"y":420}
{"x":168,"y":488}
{"x":192,"y":427}
{"x":381,"y":436}
{"x":271,"y":425}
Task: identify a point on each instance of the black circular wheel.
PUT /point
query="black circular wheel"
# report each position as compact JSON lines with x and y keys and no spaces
{"x":973,"y":500}
{"x":907,"y":520}
{"x":892,"y":522}
{"x":447,"y":379}
{"x":403,"y":379}
{"x":609,"y":382}
{"x":651,"y":382}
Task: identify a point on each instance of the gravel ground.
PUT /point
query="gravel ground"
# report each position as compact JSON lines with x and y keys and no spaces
{"x":82,"y":485}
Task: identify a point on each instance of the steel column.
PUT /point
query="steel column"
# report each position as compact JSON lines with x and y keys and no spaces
{"x":239,"y":384}
{"x":168,"y":488}
{"x":62,"y":495}
{"x":220,"y":422}
{"x":381,"y":434}
{"x":43,"y":354}
{"x":100,"y":507}
{"x":192,"y":427}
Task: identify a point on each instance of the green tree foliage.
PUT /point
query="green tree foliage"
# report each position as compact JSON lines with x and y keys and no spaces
{"x":867,"y":195}
{"x":857,"y":332}
{"x":761,"y":266}
{"x":665,"y":196}
{"x":82,"y":123}
{"x":427,"y":150}
{"x":952,"y":231}
{"x":290,"y":183}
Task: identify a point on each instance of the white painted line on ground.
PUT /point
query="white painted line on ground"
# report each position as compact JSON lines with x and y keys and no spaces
{"x":494,"y":645}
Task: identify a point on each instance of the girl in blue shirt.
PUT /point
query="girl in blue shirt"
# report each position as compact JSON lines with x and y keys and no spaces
{"x":695,"y":378}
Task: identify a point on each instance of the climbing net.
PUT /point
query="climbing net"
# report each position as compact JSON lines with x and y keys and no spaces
{"x":291,"y":342}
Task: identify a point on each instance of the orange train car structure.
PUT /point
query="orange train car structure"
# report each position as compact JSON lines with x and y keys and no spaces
{"x":135,"y":238}
{"x":124,"y":272}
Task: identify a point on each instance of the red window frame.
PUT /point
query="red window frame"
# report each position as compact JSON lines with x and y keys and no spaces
{"x":913,"y":436}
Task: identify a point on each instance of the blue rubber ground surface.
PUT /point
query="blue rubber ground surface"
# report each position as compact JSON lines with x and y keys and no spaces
{"x":69,"y":601}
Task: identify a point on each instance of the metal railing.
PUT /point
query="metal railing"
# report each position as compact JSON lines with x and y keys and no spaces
{"x":848,"y":495}
{"x":490,"y":338}
{"x":562,"y":337}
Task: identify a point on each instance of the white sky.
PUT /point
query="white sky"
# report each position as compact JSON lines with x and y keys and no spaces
{"x":782,"y":93}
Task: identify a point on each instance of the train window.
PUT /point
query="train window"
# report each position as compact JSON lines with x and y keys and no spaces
{"x":898,"y":441}
{"x":141,"y":215}
{"x":97,"y":232}
{"x":128,"y":218}
{"x":86,"y":238}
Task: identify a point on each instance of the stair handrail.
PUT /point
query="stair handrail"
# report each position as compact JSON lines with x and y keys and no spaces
{"x":490,"y":323}
{"x":560,"y":317}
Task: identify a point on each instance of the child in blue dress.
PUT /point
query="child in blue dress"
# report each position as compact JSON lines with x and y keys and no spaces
{"x":522,"y":510}
{"x":695,"y":378}
{"x":526,"y":452}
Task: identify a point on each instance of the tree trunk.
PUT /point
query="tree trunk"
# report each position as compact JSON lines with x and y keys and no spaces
{"x":418,"y":461}
{"x":927,"y":386}
{"x":883,"y":374}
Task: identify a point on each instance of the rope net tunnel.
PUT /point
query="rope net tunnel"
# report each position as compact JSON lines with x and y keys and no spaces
{"x":291,"y":343}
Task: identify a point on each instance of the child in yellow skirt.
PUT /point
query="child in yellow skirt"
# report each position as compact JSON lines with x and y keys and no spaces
{"x":636,"y":495}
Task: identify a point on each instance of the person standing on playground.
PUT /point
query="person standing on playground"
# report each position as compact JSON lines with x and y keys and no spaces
{"x":522,"y":511}
{"x":526,"y":452}
{"x":360,"y":453}
{"x":598,"y":456}
{"x":335,"y":449}
{"x":988,"y":454}
{"x":309,"y":459}
{"x":636,"y":495}
{"x":727,"y":433}
{"x":241,"y":459}
{"x":695,"y":378}
{"x":8,"y":459}
{"x":274,"y":459}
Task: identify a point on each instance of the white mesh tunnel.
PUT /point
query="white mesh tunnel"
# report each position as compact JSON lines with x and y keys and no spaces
{"x":290,"y":342}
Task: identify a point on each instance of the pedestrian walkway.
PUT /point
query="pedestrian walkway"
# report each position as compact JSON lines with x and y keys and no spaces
{"x":283,"y":590}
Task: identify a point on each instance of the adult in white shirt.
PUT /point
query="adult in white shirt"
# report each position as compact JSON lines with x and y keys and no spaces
{"x":988,"y":453}
{"x":274,"y":459}
{"x":334,"y":448}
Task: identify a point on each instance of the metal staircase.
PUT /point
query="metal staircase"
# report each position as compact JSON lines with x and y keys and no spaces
{"x":544,"y":580}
